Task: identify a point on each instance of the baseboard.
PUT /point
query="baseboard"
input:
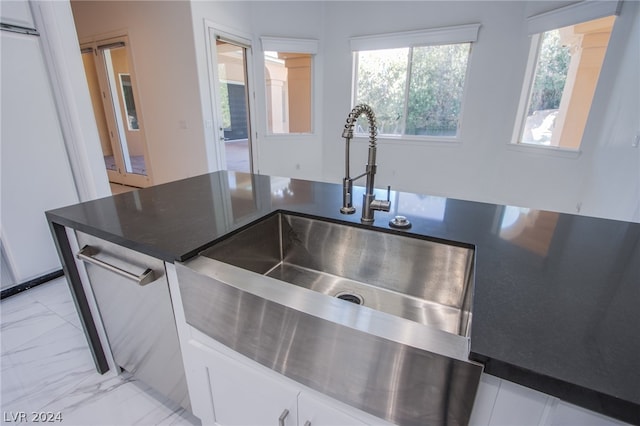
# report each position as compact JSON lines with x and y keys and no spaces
{"x":30,"y":284}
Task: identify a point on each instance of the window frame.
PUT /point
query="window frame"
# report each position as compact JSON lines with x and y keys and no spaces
{"x":537,"y":25}
{"x":450,"y":35}
{"x":292,"y":45}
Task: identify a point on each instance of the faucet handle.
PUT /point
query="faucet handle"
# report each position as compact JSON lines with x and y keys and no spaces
{"x":382,"y":205}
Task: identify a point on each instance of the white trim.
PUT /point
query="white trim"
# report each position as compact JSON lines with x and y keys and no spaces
{"x":218,"y":130}
{"x":445,"y":35}
{"x":547,"y":150}
{"x":227,"y":33}
{"x":584,"y":11}
{"x":215,"y":161}
{"x":301,"y":137}
{"x":525,"y":95}
{"x":289,"y":45}
{"x":214,"y":31}
{"x":404,"y":140}
{"x":64,"y":64}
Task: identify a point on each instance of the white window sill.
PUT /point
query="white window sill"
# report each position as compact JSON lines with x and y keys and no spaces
{"x":411,"y":140}
{"x":551,"y":151}
{"x":285,"y":136}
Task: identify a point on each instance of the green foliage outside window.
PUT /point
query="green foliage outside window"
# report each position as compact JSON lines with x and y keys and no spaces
{"x":551,"y":73}
{"x":435,"y":91}
{"x":432,"y":90}
{"x":382,"y":76}
{"x":224,"y":104}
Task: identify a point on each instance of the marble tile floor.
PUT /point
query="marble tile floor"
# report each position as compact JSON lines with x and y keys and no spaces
{"x":46,"y":367}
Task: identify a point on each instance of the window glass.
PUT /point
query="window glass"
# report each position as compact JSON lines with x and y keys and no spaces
{"x":413,"y":91}
{"x":435,"y":91}
{"x":566,"y":70}
{"x":129,"y":103}
{"x":288,"y":88}
{"x":381,"y":83}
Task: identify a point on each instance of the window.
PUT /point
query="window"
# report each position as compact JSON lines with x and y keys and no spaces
{"x":567,"y":52}
{"x":289,"y":84}
{"x":288,"y":79}
{"x":414,"y":81}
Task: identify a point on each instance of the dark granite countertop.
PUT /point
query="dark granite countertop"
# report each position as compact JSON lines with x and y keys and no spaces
{"x":556,"y":300}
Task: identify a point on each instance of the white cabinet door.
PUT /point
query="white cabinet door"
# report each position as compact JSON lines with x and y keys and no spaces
{"x":35,"y":173}
{"x":503,"y":403}
{"x":247,"y":396}
{"x":569,"y":414}
{"x":314,"y":412}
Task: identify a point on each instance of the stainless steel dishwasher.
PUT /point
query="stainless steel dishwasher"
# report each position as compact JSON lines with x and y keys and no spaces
{"x":132,"y":294}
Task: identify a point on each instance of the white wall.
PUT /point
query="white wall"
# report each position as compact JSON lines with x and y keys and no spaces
{"x":232,"y":17}
{"x":281,"y":154}
{"x":611,"y":186}
{"x":286,"y":155}
{"x":603,"y":180}
{"x":161,"y":42}
{"x":483,"y":166}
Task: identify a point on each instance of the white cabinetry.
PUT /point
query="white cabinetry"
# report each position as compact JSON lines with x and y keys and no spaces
{"x":241,"y":395}
{"x":313,"y":411}
{"x":503,"y":403}
{"x":234,"y":391}
{"x":35,"y":173}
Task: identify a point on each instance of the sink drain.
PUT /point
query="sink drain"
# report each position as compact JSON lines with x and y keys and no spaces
{"x":351,"y":297}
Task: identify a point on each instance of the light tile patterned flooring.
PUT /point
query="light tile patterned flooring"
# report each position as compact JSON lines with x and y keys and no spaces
{"x":46,"y":366}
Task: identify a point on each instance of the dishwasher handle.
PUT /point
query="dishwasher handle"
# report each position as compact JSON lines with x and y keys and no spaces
{"x":87,"y":252}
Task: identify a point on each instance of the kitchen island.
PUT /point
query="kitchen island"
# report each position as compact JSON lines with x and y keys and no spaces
{"x":555,"y":303}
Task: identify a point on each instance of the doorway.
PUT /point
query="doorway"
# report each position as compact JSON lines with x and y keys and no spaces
{"x":233,"y":101}
{"x":112,"y":87}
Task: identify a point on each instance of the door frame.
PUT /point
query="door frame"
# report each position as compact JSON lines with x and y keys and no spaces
{"x":131,"y":179}
{"x":214,"y":31}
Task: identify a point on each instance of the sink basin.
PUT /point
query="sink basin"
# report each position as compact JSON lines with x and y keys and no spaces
{"x":374,"y":318}
{"x":417,"y":279}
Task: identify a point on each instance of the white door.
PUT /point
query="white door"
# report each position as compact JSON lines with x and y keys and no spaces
{"x":233,"y":100}
{"x":35,"y":172}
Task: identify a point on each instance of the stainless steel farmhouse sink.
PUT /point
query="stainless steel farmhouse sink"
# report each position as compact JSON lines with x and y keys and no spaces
{"x":417,"y":279}
{"x":377,"y":319}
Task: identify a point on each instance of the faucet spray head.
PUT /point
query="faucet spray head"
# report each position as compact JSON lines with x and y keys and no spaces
{"x":357,"y":111}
